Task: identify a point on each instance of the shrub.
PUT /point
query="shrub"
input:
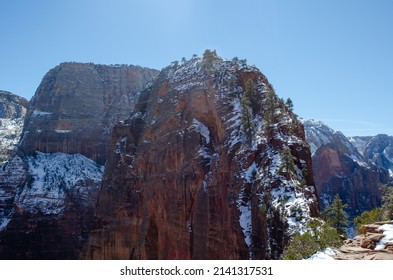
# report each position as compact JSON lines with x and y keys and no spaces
{"x":318,"y":236}
{"x":368,"y":217}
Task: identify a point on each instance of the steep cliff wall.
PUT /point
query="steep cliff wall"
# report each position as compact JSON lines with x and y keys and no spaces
{"x":199,"y":171}
{"x":76,"y":106}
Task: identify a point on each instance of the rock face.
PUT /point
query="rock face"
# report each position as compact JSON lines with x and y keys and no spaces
{"x":377,"y":149}
{"x":76,"y":106}
{"x":46,"y":205}
{"x":49,"y":189}
{"x":12,"y":112}
{"x":340,"y":168}
{"x":198,"y":172}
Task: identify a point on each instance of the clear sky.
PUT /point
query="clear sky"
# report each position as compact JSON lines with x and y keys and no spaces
{"x":333,"y":58}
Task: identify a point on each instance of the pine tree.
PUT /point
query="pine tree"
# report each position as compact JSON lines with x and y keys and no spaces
{"x":287,"y":166}
{"x":250,"y":91}
{"x":336,"y":216}
{"x":246,"y":118}
{"x":269,"y":109}
{"x":368,"y":217}
{"x":289,"y":104}
{"x":209,"y":57}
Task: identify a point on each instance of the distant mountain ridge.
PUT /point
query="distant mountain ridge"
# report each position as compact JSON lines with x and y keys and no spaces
{"x":12,"y":112}
{"x":377,"y":150}
{"x":340,"y":166}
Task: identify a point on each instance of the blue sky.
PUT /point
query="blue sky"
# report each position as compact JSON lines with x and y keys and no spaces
{"x":334,"y":58}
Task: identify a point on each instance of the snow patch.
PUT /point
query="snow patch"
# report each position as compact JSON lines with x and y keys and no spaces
{"x":10,"y":132}
{"x":388,"y":232}
{"x":40,"y":113}
{"x":244,"y":206}
{"x":3,"y":223}
{"x":62,"y":131}
{"x":201,"y":129}
{"x":56,"y":176}
{"x":327,"y":254}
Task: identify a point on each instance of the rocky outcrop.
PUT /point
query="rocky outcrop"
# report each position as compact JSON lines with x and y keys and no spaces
{"x":199,"y":171}
{"x":12,"y":112}
{"x":339,"y":167}
{"x":76,"y":106}
{"x":377,"y":149}
{"x":375,"y":243}
{"x":48,"y":191}
{"x":12,"y":106}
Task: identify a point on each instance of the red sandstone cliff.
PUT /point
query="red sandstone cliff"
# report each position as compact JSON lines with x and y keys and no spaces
{"x":187,"y":180}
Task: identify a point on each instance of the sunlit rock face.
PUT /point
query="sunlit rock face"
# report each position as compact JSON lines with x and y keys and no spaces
{"x":186,"y":179}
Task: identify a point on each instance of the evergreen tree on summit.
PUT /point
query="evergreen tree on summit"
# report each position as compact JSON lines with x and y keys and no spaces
{"x":289,"y":104}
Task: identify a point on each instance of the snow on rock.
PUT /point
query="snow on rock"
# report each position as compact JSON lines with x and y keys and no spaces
{"x":244,"y":206}
{"x":290,"y":200}
{"x":327,"y":254}
{"x":388,"y":232}
{"x":10,"y":131}
{"x":3,"y":222}
{"x":318,"y":134}
{"x":62,"y":131}
{"x":360,"y":143}
{"x":54,"y":178}
{"x":378,"y":150}
{"x":38,"y":113}
{"x":201,"y":129}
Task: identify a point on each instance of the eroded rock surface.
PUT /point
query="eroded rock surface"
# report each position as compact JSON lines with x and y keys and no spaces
{"x":187,"y":180}
{"x":76,"y":106}
{"x":370,"y":245}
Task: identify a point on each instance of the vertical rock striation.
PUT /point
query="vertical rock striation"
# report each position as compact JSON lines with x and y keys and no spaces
{"x":190,"y":178}
{"x":76,"y":106}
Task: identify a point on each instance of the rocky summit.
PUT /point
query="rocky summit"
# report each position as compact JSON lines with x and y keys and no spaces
{"x":76,"y":106}
{"x":211,"y":165}
{"x":340,"y":167}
